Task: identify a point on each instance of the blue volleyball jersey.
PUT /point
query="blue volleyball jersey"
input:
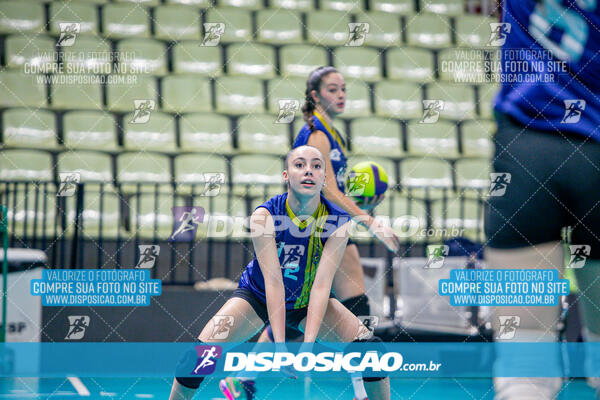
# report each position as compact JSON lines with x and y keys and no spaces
{"x":299,"y":246}
{"x":337,"y":143}
{"x":567,"y":31}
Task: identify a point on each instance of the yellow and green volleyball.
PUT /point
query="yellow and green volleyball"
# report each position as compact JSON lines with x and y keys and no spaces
{"x":366,"y":180}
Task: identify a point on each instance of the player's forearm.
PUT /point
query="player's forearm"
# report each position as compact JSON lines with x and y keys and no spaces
{"x":275,"y":294}
{"x":317,"y":305}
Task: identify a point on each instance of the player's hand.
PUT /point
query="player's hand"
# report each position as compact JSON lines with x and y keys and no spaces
{"x":386,"y":235}
{"x":286,"y":370}
{"x":372,"y":202}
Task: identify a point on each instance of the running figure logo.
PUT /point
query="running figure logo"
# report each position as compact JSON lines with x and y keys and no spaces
{"x":142,"y":111}
{"x":579,"y":255}
{"x":68,"y":183}
{"x":222,"y":326}
{"x":212,"y":183}
{"x":185,"y":223}
{"x":431,"y":111}
{"x":499,"y":32}
{"x":206,"y":362}
{"x":77,"y":326}
{"x":358,"y":33}
{"x":437,"y":255}
{"x":573,"y":109}
{"x":292,"y":253}
{"x":212,"y":33}
{"x":148,"y":255}
{"x":508,"y":326}
{"x":287,"y":111}
{"x":68,"y":33}
{"x":357,"y":183}
{"x":498,"y":183}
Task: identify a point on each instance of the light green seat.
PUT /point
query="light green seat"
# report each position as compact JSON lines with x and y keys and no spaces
{"x":158,"y":134}
{"x":32,"y":212}
{"x":384,"y":29}
{"x":120,"y":95}
{"x":458,"y":217}
{"x":65,"y":95}
{"x":85,"y":14}
{"x":250,"y":174}
{"x":408,"y":217}
{"x":31,"y":50}
{"x":428,"y":30}
{"x":398,"y":100}
{"x":223,"y":220}
{"x":299,"y":5}
{"x":473,"y":176}
{"x":191,"y":3}
{"x":151,"y":215}
{"x":21,"y":17}
{"x":29,"y":128}
{"x":239,"y":95}
{"x":327,"y":28}
{"x":100,"y":217}
{"x":182,"y":94}
{"x":145,"y":56}
{"x":191,"y":58}
{"x":388,"y":165}
{"x":125,"y":20}
{"x":285,"y":89}
{"x":194,"y":170}
{"x":341,"y":5}
{"x":208,"y":133}
{"x":358,"y":100}
{"x":487,"y":93}
{"x":141,"y":2}
{"x":93,"y":167}
{"x":149,"y":170}
{"x":445,"y":7}
{"x":247,"y":4}
{"x":238,"y":23}
{"x":300,"y":60}
{"x":410,"y":64}
{"x":459,"y":100}
{"x":92,"y":130}
{"x":21,"y":90}
{"x":278,"y":27}
{"x":257,"y":60}
{"x":434,"y":140}
{"x":376,"y":136}
{"x":89,"y":55}
{"x":25,"y":165}
{"x":259,"y":134}
{"x":176,"y":23}
{"x":400,"y":7}
{"x":477,"y":138}
{"x":425,"y":176}
{"x":358,"y":63}
{"x":461,"y":65}
{"x":473,"y":30}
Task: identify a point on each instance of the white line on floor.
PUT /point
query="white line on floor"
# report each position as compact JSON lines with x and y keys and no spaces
{"x":79,"y":386}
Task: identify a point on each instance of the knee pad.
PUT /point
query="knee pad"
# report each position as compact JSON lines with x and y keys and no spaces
{"x":379,"y":346}
{"x":358,"y":305}
{"x":186,"y":365}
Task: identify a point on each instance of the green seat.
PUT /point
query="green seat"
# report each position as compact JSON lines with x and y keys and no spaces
{"x":398,"y":100}
{"x":191,"y":58}
{"x":143,"y":168}
{"x":300,"y":60}
{"x":388,"y":165}
{"x":425,"y":176}
{"x":181,"y":94}
{"x":250,"y":174}
{"x":280,"y":89}
{"x":31,"y":50}
{"x":176,"y":23}
{"x":145,"y":56}
{"x":238,"y":23}
{"x":487,"y":93}
{"x":21,"y":90}
{"x":384,"y":29}
{"x":477,"y":138}
{"x":151,"y":215}
{"x":208,"y":133}
{"x":299,"y":5}
{"x":327,"y":28}
{"x":341,"y":5}
{"x":400,"y":7}
{"x":32,"y":212}
{"x":473,"y":173}
{"x":29,"y":128}
{"x":459,"y":100}
{"x":158,"y":134}
{"x":65,"y":95}
{"x":445,"y":7}
{"x":223,"y":220}
{"x":461,"y":66}
{"x":358,"y":63}
{"x":408,"y":217}
{"x":92,"y":166}
{"x":257,"y":61}
{"x":193,"y":171}
{"x":458,"y":217}
{"x":278,"y":27}
{"x":120,"y":96}
{"x":100,"y":217}
{"x":25,"y":165}
{"x":376,"y":136}
{"x":90,"y":55}
{"x":191,"y":3}
{"x":92,"y":130}
{"x":141,"y":2}
{"x":21,"y":17}
{"x":259,"y":134}
{"x":358,"y":100}
{"x":427,"y":30}
{"x":410,"y":64}
{"x":473,"y":30}
{"x":85,"y":14}
{"x":125,"y":20}
{"x":247,"y":4}
{"x":239,"y":95}
{"x":434,"y":140}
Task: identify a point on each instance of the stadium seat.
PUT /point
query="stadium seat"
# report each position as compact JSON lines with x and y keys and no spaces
{"x":195,"y":169}
{"x":31,"y":50}
{"x":300,"y":60}
{"x":473,"y":176}
{"x":223,"y":220}
{"x":141,"y":2}
{"x":92,"y":130}
{"x":400,"y":7}
{"x":410,"y":64}
{"x":327,"y":28}
{"x":458,"y":217}
{"x":259,"y":134}
{"x":473,"y":30}
{"x":175,"y":23}
{"x":191,"y":58}
{"x":435,"y":140}
{"x":25,"y":165}
{"x":285,"y":89}
{"x":250,"y":174}
{"x":358,"y":100}
{"x":358,"y":63}
{"x":445,"y":7}
{"x":408,"y":217}
{"x":425,"y":176}
{"x":144,"y":56}
{"x":384,"y":29}
{"x":84,"y":14}
{"x":278,"y":26}
{"x":398,"y":100}
{"x":376,"y":136}
{"x":341,"y":5}
{"x":32,"y":212}
{"x":388,"y":165}
{"x":208,"y":133}
{"x":21,"y":90}
{"x":120,"y":96}
{"x":67,"y":94}
{"x":239,"y":95}
{"x":158,"y":134}
{"x":191,"y":3}
{"x":182,"y":94}
{"x":148,"y":171}
{"x":22,"y":17}
{"x":427,"y":30}
{"x":487,"y":93}
{"x":93,"y":167}
{"x":461,"y":65}
{"x":238,"y":23}
{"x":90,"y":55}
{"x":125,"y":20}
{"x":247,"y":4}
{"x":256,"y":60}
{"x":34,"y":129}
{"x":100,"y":217}
{"x":477,"y":138}
{"x":151,"y":215}
{"x":299,"y":5}
{"x":459,"y":100}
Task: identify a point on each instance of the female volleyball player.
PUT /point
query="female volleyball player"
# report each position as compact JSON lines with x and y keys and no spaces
{"x":293,"y":288}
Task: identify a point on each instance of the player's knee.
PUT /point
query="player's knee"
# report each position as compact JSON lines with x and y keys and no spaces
{"x":376,"y":344}
{"x":358,"y":305}
{"x":186,"y":366}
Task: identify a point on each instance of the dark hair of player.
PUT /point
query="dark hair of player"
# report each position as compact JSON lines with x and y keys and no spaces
{"x":314,"y":83}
